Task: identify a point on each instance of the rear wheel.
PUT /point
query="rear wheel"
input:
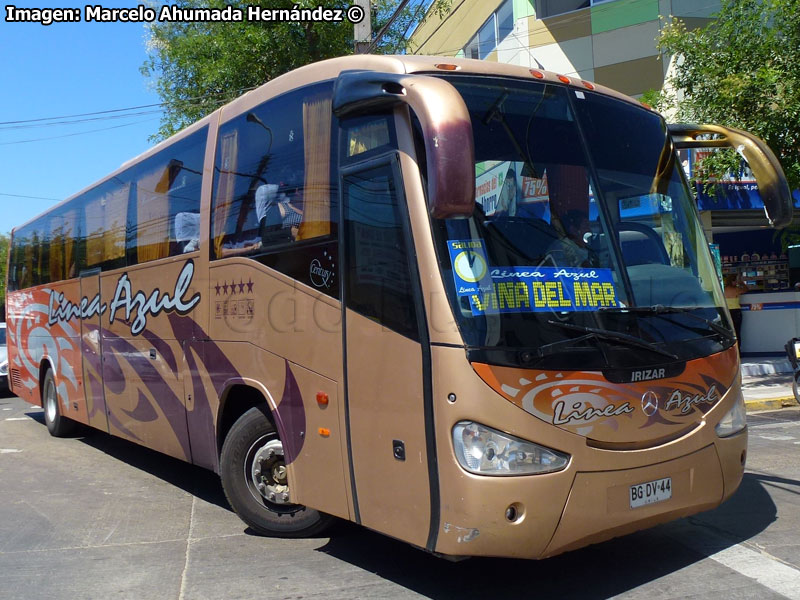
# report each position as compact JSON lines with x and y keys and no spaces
{"x":57,"y":424}
{"x":253,"y":472}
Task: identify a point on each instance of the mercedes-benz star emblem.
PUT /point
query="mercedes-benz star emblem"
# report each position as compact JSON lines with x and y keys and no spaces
{"x":650,"y":403}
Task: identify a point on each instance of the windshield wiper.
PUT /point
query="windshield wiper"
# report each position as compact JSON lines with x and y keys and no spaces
{"x":603,"y":334}
{"x":660,"y":310}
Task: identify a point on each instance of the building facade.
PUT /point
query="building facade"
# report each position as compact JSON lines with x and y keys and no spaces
{"x":611,"y":42}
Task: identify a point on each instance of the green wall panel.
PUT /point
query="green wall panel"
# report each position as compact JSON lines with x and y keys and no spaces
{"x":523,"y":8}
{"x":623,"y":13}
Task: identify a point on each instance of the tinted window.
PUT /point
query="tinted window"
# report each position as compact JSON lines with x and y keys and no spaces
{"x":105,"y":210}
{"x":272,"y":177}
{"x":165,"y":200}
{"x":19,"y":272}
{"x":149,"y":211}
{"x":62,"y":227}
{"x":378,"y":281}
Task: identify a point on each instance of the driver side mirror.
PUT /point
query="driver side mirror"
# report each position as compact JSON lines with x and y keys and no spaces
{"x":772,"y":185}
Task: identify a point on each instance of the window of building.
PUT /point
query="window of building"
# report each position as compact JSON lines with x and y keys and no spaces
{"x":551,"y":8}
{"x":496,"y":28}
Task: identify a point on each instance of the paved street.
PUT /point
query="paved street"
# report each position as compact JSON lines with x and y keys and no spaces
{"x":97,"y":517}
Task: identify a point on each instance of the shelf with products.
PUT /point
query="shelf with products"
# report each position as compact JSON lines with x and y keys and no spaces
{"x":762,"y":275}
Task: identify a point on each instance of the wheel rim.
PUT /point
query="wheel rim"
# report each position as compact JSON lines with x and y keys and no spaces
{"x":265,"y":473}
{"x":50,"y":402}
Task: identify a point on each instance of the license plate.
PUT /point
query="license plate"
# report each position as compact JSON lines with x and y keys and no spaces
{"x":651,"y":491}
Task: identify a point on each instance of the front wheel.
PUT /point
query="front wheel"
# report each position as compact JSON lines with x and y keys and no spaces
{"x":795,"y":386}
{"x":253,"y":472}
{"x":57,"y":424}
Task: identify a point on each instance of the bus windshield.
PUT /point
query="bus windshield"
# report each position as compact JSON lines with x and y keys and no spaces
{"x":584,"y":247}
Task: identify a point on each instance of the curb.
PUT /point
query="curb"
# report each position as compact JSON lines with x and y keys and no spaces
{"x":774,"y":403}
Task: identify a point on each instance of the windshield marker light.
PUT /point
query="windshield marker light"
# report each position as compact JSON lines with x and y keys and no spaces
{"x":447,"y":67}
{"x":486,"y":451}
{"x":587,"y":84}
{"x":537,"y":74}
{"x":564,"y":79}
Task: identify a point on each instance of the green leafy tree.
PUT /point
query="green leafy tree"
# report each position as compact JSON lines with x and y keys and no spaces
{"x":197,"y":67}
{"x":743,"y":71}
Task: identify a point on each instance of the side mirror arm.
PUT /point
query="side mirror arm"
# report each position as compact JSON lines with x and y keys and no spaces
{"x":772,"y":185}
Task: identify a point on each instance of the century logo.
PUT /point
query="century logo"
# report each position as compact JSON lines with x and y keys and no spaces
{"x":320,"y":276}
{"x":649,"y":403}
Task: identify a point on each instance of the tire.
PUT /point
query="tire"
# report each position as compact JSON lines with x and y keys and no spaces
{"x":253,"y":446}
{"x":57,"y":424}
{"x":795,"y":386}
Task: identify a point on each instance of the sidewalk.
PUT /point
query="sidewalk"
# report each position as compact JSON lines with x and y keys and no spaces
{"x":767,"y":383}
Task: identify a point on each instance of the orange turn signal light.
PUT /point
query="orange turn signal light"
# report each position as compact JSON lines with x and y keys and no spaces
{"x":324,"y":432}
{"x":322,"y":399}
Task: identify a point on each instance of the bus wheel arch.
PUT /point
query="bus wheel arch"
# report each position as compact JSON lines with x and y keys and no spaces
{"x":253,"y":474}
{"x":236,"y":399}
{"x":44,"y":367}
{"x":57,"y":424}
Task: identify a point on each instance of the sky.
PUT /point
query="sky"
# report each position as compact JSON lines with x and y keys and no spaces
{"x":62,"y":70}
{"x":59,"y":70}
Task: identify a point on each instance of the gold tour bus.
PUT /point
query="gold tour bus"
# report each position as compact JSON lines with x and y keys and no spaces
{"x":464,"y":304}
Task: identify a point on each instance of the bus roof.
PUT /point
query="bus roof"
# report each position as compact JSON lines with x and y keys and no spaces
{"x":330,"y":69}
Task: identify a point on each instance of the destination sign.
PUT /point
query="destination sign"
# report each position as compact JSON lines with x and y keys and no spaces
{"x":527,"y":289}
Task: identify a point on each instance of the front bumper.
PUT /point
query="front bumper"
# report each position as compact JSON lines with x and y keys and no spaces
{"x":568,"y":510}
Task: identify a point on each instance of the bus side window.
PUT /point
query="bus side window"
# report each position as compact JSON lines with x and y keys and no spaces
{"x":105,"y":215}
{"x":165,"y":210}
{"x":24,"y":257}
{"x":272,"y":177}
{"x":260,"y":179}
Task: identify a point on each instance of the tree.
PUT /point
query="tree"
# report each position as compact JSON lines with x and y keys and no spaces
{"x":743,"y":71}
{"x":199,"y":66}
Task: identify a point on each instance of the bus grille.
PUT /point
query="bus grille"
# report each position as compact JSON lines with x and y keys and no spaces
{"x":16,"y":380}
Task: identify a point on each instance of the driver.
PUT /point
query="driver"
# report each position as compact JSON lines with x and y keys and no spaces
{"x":571,"y":250}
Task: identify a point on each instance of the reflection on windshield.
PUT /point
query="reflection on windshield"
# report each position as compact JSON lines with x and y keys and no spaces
{"x":581,"y":212}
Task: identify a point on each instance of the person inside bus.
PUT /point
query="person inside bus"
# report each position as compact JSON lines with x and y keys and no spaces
{"x":571,"y":249}
{"x":278,"y":216}
{"x":187,"y":230}
{"x":507,"y":201}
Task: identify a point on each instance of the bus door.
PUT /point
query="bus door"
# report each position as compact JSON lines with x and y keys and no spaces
{"x":392,"y":458}
{"x":92,"y":350}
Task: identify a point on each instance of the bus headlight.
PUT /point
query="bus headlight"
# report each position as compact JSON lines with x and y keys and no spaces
{"x":486,"y":451}
{"x":734,"y":420}
{"x":4,"y":367}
